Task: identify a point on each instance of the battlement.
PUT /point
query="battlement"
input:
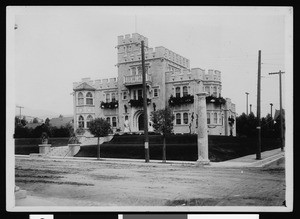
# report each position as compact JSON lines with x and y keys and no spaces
{"x":134,"y":38}
{"x":184,"y":75}
{"x":157,"y":52}
{"x":230,"y":105}
{"x":212,"y":75}
{"x":107,"y":83}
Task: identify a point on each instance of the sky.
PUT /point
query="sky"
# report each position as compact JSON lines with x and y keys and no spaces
{"x":54,"y":46}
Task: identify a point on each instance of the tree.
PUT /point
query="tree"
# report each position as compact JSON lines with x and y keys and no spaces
{"x":163,"y":123}
{"x":47,"y":122}
{"x":19,"y":121}
{"x":35,"y":120}
{"x":99,"y":127}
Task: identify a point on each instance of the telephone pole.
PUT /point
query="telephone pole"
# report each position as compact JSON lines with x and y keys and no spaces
{"x":258,"y":152}
{"x":146,"y":140}
{"x":250,"y":108}
{"x":20,"y":107}
{"x":281,"y":114}
{"x":247,"y":102}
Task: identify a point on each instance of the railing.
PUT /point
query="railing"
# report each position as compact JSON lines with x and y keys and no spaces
{"x":136,"y":79}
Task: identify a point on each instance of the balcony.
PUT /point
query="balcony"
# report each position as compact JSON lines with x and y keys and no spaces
{"x":136,"y":80}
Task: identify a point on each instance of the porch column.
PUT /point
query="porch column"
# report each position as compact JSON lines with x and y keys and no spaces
{"x":202,"y":137}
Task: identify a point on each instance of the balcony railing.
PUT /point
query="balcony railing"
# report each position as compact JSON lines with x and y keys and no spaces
{"x":136,"y":79}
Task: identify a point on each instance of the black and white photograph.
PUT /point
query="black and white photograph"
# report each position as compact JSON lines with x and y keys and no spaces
{"x":149,"y":108}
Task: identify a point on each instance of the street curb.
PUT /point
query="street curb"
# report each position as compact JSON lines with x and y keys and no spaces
{"x":224,"y":164}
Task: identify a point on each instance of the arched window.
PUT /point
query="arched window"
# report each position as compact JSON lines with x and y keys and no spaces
{"x":185,"y":91}
{"x":89,"y":98}
{"x":177,"y":91}
{"x":207,"y":90}
{"x":178,"y":118}
{"x":80,"y":122}
{"x":208,"y":118}
{"x":215,"y":93}
{"x":108,"y":120}
{"x":114,"y":122}
{"x":113,"y":97}
{"x":185,"y":118}
{"x":88,"y":121}
{"x":215,"y":118}
{"x":107,"y":97}
{"x":80,"y":99}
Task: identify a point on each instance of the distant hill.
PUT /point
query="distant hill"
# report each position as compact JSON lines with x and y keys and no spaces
{"x":39,"y":113}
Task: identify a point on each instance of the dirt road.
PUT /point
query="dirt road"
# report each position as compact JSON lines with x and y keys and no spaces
{"x":96,"y":183}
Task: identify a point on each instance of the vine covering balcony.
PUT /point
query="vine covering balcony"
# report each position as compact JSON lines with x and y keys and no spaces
{"x":215,"y":100}
{"x":177,"y":101}
{"x":138,"y":103}
{"x":109,"y":105}
{"x":136,"y":79}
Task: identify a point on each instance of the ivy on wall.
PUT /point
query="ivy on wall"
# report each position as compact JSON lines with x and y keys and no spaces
{"x":177,"y":101}
{"x":109,"y":105}
{"x":138,"y":103}
{"x":216,"y":100}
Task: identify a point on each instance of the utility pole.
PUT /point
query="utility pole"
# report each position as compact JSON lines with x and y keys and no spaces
{"x":146,"y":140}
{"x":247,"y":102}
{"x":258,"y":152}
{"x":250,"y":108}
{"x":271,"y":104}
{"x":281,"y":114}
{"x":20,"y":107}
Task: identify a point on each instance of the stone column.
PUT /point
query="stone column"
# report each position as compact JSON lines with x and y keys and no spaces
{"x":44,"y":148}
{"x":202,"y":138}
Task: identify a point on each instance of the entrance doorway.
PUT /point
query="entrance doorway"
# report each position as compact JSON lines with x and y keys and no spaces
{"x":141,"y":122}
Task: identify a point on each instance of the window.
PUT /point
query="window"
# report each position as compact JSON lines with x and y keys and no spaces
{"x":140,"y":94}
{"x":177,"y":92}
{"x":113,"y":97}
{"x":80,"y":99}
{"x":207,"y":90}
{"x":178,"y":118}
{"x":215,"y":92}
{"x":215,"y":118}
{"x":208,"y":118}
{"x":88,"y":121}
{"x":185,"y":91}
{"x":89,"y":98}
{"x":140,"y":70}
{"x":114,"y":121}
{"x":108,"y":120}
{"x":220,"y":119}
{"x":133,"y":71}
{"x":107,"y":97}
{"x":80,"y":122}
{"x":134,"y":94}
{"x":155,"y":92}
{"x":185,"y":118}
{"x":124,"y":95}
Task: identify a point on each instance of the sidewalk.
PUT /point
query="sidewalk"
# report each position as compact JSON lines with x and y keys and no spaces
{"x":267,"y":157}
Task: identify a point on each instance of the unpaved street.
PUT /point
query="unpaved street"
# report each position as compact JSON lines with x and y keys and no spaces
{"x":100,"y":183}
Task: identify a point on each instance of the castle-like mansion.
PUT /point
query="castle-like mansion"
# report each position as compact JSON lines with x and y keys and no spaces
{"x":170,"y":82}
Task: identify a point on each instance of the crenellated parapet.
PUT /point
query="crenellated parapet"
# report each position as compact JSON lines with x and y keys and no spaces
{"x":230,"y":105}
{"x":129,"y":50}
{"x":212,"y":75}
{"x":98,"y":84}
{"x":133,"y":38}
{"x":184,"y":75}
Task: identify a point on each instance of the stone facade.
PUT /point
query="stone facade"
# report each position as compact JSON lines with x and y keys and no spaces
{"x":168,"y":76}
